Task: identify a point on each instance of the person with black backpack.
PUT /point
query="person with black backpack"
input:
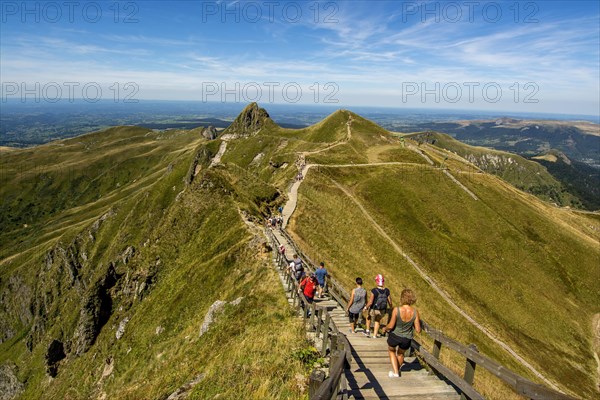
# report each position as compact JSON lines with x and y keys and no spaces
{"x":377,"y":306}
{"x":298,"y":268}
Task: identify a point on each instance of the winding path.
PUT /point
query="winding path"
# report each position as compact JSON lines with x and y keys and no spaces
{"x":290,"y":207}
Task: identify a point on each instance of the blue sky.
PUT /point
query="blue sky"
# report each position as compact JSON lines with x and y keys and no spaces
{"x":426,"y":54}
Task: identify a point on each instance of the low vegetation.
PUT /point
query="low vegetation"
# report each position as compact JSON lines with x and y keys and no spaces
{"x":115,"y":246}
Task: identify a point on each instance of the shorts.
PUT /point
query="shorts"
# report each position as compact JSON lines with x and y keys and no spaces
{"x":322,"y":284}
{"x":377,"y":315}
{"x":397,"y":341}
{"x":352,"y":318}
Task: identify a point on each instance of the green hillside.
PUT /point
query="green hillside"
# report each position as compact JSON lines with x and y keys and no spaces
{"x":524,"y":174}
{"x":142,"y":230}
{"x":507,"y":258}
{"x":579,"y":178}
{"x":122,"y":237}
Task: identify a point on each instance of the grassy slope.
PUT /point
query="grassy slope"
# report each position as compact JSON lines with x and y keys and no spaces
{"x":203,"y":246}
{"x":530,"y":255}
{"x":439,"y":225}
{"x":524,"y":174}
{"x":429,"y":216}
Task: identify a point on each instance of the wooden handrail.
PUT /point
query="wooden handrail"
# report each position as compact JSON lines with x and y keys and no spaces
{"x":519,"y":384}
{"x":434,"y":363}
{"x":340,"y":362}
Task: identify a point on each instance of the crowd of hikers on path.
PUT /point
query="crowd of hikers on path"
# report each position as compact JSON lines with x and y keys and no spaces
{"x":374,"y":306}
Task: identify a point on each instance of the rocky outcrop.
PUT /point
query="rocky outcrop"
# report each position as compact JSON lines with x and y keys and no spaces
{"x":201,"y":159}
{"x":135,"y":284}
{"x":209,"y":133}
{"x":216,"y":308}
{"x":184,"y":391}
{"x":10,"y":387}
{"x":121,"y":328}
{"x":490,"y":161}
{"x":250,"y":121}
{"x":95,"y":311}
{"x":60,"y":272}
{"x":127,"y":254}
{"x":15,"y":307}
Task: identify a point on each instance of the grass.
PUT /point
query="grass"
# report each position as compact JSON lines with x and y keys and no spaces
{"x":205,"y":252}
{"x":524,"y":174}
{"x":532,"y":260}
{"x":507,"y":258}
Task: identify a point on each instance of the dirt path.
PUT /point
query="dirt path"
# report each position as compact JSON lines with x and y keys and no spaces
{"x":460,"y":185}
{"x":334,"y":144}
{"x":290,"y":207}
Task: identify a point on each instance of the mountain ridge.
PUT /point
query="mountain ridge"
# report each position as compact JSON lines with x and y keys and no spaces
{"x":165,"y":238}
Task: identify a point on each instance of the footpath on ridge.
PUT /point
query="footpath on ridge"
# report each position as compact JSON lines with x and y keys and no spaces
{"x":291,"y":204}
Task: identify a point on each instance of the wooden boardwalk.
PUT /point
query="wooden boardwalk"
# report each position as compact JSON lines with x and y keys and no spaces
{"x":368,"y":376}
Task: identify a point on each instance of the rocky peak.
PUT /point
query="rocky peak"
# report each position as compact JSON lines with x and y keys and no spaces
{"x":210,"y":133}
{"x":250,"y":121}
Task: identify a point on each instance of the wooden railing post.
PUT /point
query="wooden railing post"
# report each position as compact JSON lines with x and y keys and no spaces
{"x":437,"y":347}
{"x":304,"y":309}
{"x":333,"y":344}
{"x":469,"y":371}
{"x":316,"y":379}
{"x":319,"y":321}
{"x":335,"y":355}
{"x":325,"y":334}
{"x":300,"y":296}
{"x":295,"y":298}
{"x":311,"y":327}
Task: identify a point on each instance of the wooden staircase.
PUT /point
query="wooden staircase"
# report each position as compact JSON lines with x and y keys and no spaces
{"x":367,"y":378}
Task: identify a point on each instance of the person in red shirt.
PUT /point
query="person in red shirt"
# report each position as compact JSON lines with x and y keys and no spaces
{"x":309,"y":287}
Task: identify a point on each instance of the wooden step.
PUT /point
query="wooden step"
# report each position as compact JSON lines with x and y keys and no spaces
{"x":402,"y":391}
{"x":371,"y":395}
{"x":368,"y":377}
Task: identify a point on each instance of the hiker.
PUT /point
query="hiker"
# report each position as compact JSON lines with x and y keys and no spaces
{"x":403,"y":322}
{"x":356,"y":304}
{"x":282,"y":250}
{"x":377,"y":305}
{"x":308,"y":286}
{"x":298,"y":268}
{"x":321,"y":273}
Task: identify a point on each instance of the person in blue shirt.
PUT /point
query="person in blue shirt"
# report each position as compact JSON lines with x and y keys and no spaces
{"x":321,"y":273}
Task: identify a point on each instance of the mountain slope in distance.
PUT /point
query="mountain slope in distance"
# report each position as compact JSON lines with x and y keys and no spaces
{"x":141,"y":236}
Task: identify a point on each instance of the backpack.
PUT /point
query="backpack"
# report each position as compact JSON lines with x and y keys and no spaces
{"x":381,"y":300}
{"x":298,"y":268}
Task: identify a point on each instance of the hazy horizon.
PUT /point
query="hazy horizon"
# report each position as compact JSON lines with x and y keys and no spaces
{"x":505,"y":56}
